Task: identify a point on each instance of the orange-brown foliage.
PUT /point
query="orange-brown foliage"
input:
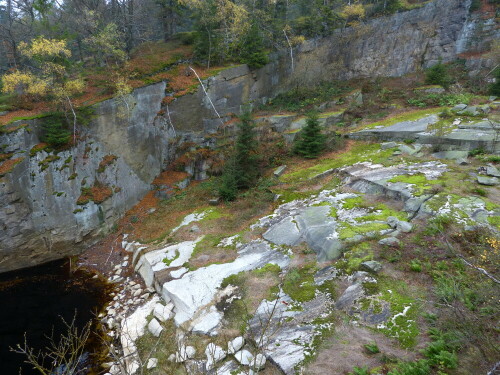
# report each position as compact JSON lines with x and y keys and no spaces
{"x":8,"y":165}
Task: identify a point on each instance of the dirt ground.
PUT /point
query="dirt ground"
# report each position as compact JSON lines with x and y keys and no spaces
{"x":339,"y":354}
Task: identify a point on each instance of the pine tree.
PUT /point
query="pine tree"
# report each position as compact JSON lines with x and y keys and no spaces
{"x":494,"y":88}
{"x":310,"y":141}
{"x":242,"y":169}
{"x":246,"y":159}
{"x":252,"y":49}
{"x":55,"y":133}
{"x":228,"y":189}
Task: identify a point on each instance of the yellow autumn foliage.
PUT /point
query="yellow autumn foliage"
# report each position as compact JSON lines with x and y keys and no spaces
{"x":19,"y":82}
{"x":353,"y":11}
{"x":44,"y":48}
{"x":49,"y":78}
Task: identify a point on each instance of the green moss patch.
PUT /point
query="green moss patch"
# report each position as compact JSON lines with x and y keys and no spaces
{"x":420,"y":183}
{"x":380,"y":213}
{"x":299,"y":283}
{"x":356,"y":255}
{"x":350,"y":230}
{"x":407,"y":116}
{"x":403,"y":324}
{"x":360,"y":152}
{"x":494,"y":221}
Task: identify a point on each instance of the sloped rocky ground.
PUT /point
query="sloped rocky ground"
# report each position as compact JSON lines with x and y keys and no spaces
{"x":351,"y":267}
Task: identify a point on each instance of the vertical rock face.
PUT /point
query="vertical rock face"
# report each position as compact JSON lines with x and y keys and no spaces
{"x":385,"y":46}
{"x":53,"y":204}
{"x":389,"y":46}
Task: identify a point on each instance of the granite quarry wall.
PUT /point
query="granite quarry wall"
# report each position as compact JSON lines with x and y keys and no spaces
{"x":43,"y":210}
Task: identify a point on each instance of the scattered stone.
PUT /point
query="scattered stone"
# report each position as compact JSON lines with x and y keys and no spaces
{"x":235,"y":345}
{"x":125,"y":263}
{"x":163,"y":313}
{"x":259,"y":362}
{"x":279,"y":171}
{"x":137,"y":292}
{"x":390,"y":241}
{"x":392,"y":221}
{"x":325,"y":274}
{"x":404,"y":226}
{"x":185,"y":353}
{"x":151,"y":210}
{"x":461,"y":161}
{"x":350,"y":296}
{"x":152,"y":363}
{"x":405,"y":149}
{"x":492,"y":171}
{"x":195,"y":229}
{"x":133,"y":327}
{"x":171,"y":358}
{"x":244,"y":357}
{"x":459,"y":107}
{"x":387,"y":145}
{"x":371,"y":266}
{"x":155,"y":328}
{"x":196,"y":289}
{"x":488,"y":181}
{"x":214,"y":354}
{"x":214,"y":202}
{"x":470,"y":111}
{"x":453,"y":155}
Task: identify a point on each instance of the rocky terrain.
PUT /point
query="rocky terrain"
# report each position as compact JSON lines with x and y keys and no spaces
{"x":379,"y":257}
{"x":349,"y":246}
{"x":57,"y":203}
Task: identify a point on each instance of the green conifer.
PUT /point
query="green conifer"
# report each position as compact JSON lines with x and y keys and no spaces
{"x":252,"y":49}
{"x":310,"y":142}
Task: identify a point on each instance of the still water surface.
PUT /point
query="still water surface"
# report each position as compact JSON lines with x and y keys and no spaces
{"x":32,"y":301}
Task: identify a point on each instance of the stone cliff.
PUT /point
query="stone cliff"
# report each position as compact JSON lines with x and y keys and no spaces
{"x":52,"y":205}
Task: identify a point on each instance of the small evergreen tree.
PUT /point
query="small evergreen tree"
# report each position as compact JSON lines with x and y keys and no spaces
{"x":228,"y":188}
{"x":55,"y":132}
{"x":310,"y":142}
{"x":252,"y":49}
{"x":495,"y":87}
{"x":246,"y":159}
{"x":242,"y":169}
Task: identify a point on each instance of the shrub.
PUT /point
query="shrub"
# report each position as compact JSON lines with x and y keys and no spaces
{"x":310,"y":142}
{"x":438,"y":75}
{"x":186,"y":37}
{"x":372,"y":348}
{"x":415,"y":266}
{"x":420,"y":367}
{"x":360,"y":371}
{"x":475,"y":5}
{"x":477,"y":151}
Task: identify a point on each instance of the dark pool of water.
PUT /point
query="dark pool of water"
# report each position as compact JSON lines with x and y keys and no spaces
{"x":32,"y":302}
